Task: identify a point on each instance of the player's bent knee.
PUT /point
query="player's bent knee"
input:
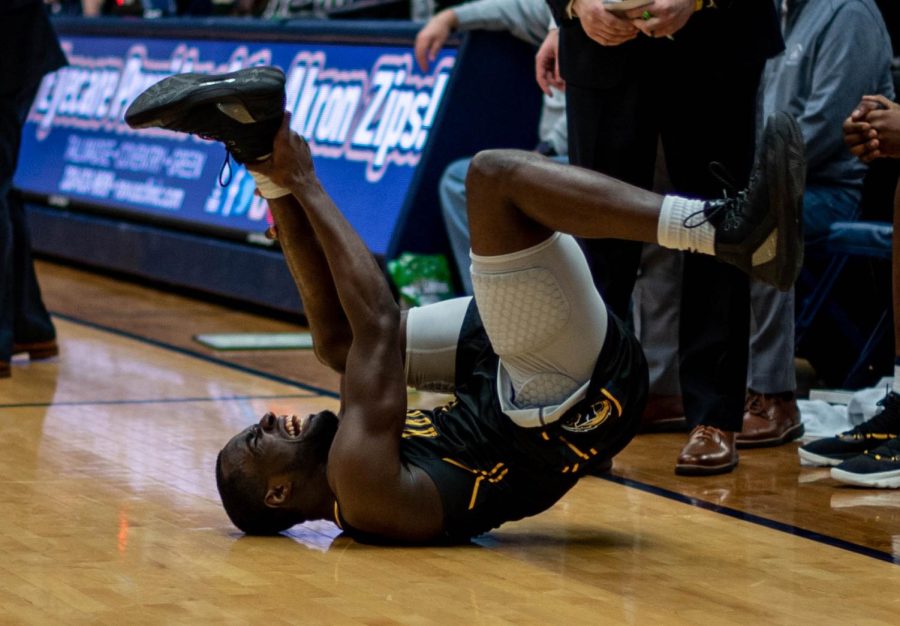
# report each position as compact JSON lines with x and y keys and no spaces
{"x":495,"y":171}
{"x":489,"y":168}
{"x":487,"y":187}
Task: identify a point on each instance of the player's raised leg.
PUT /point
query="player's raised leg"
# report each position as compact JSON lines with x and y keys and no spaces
{"x":518,"y":199}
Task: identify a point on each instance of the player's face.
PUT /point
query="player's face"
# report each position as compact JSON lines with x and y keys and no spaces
{"x":282,"y":444}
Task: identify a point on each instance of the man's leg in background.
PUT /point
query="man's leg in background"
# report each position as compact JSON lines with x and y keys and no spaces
{"x":613,"y":130}
{"x":452,"y":193}
{"x":771,"y":417}
{"x":896,"y":291}
{"x":23,"y":317}
{"x":715,"y":304}
{"x":657,"y":306}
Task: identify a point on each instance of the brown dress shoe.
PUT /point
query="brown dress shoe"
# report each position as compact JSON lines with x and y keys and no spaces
{"x":37,"y":349}
{"x":769,"y":421}
{"x":663,"y":414}
{"x":707,"y":451}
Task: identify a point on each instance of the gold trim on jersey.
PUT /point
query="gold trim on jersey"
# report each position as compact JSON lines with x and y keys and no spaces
{"x":585,"y":456}
{"x":575,"y":448}
{"x":418,"y":424}
{"x":337,"y":515}
{"x":612,"y":399}
{"x":595,"y":415}
{"x":495,"y":475}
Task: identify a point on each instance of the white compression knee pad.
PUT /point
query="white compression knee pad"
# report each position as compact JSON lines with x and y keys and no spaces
{"x":432,"y":333}
{"x":545,"y":320}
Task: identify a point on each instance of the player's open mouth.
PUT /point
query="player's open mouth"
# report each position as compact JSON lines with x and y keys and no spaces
{"x":294,"y":425}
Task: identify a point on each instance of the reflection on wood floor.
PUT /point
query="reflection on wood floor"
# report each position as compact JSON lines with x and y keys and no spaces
{"x":109,"y":514}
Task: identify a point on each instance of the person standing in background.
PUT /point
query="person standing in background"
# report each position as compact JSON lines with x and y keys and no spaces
{"x":528,"y":20}
{"x":30,"y":50}
{"x":868,"y":455}
{"x":835,"y":53}
{"x":686,"y":73}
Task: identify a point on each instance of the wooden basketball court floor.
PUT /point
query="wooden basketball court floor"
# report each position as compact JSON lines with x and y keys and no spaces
{"x":109,"y":512}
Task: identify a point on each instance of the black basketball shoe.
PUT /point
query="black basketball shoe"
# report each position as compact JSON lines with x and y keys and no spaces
{"x":760,"y":229}
{"x":878,"y":468}
{"x":881,"y":428}
{"x":243,"y":109}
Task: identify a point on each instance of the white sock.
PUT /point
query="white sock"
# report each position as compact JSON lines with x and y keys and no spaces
{"x":672,"y":233}
{"x":896,"y":385}
{"x":268,"y":189}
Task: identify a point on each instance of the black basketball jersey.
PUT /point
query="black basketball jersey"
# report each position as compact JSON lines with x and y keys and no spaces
{"x":489,"y":470}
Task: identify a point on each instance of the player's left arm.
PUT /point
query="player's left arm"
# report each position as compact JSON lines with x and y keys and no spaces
{"x":376,"y":491}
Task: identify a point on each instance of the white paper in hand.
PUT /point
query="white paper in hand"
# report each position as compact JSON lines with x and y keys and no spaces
{"x":620,"y":6}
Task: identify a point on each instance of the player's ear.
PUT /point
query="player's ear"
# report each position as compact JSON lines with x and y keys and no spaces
{"x":278,"y":495}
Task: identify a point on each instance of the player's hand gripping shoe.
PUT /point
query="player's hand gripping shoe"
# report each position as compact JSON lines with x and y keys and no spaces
{"x":760,"y":229}
{"x":243,"y":109}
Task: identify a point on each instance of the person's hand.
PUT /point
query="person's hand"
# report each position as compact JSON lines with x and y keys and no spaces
{"x":290,"y":164}
{"x":871,"y":130}
{"x":433,"y":36}
{"x":870,"y":103}
{"x":885,"y":121}
{"x":546,"y":64}
{"x":604,"y":27}
{"x":665,"y":17}
{"x":859,"y":135}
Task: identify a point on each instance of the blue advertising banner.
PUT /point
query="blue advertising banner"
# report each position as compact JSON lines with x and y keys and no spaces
{"x":365,"y":110}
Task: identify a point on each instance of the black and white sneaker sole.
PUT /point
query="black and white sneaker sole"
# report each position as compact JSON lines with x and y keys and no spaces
{"x":777,"y":261}
{"x":237,"y":94}
{"x":808,"y":459}
{"x":881,"y":480}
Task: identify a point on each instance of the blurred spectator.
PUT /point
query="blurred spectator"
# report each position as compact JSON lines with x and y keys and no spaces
{"x":628,"y":85}
{"x":868,"y":455}
{"x":72,"y":7}
{"x":91,"y":8}
{"x":834,"y":53}
{"x":528,"y":20}
{"x":32,"y":51}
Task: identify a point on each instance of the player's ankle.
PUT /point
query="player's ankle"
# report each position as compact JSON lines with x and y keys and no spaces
{"x":682,"y":225}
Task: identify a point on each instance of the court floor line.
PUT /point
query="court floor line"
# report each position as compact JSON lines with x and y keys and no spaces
{"x":198,"y":355}
{"x":626,"y":482}
{"x":756,"y":519}
{"x":156,"y":401}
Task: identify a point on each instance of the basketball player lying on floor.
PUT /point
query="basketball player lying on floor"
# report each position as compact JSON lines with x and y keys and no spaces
{"x":547,"y":382}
